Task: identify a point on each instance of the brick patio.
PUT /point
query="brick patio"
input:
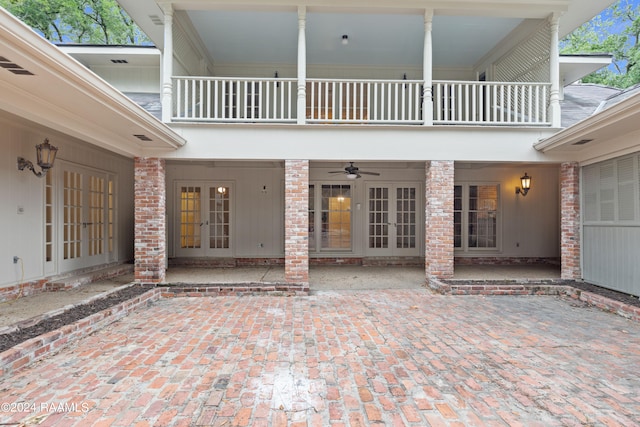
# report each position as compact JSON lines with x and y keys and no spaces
{"x":397,"y":357}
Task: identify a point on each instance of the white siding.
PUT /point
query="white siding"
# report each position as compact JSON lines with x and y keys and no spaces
{"x":23,"y":233}
{"x":611,"y":233}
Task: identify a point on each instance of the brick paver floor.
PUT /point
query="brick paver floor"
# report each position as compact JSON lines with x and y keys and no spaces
{"x":402,"y":357}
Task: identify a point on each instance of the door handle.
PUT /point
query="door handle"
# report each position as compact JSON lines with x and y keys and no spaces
{"x":84,"y":224}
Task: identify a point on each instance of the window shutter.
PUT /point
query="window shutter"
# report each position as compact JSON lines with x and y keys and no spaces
{"x":626,"y":189}
{"x":607,"y":192}
{"x":591,"y":179}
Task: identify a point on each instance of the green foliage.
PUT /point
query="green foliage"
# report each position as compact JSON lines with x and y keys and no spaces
{"x":101,"y":22}
{"x":615,"y":32}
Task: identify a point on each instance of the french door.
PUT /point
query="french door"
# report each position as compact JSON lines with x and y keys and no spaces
{"x":393,"y":218}
{"x":86,"y":218}
{"x":204,"y":220}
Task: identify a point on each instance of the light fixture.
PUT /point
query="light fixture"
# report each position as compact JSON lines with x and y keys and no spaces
{"x":352,"y":176}
{"x":222,"y":190}
{"x":525,"y":182}
{"x":46,"y":155}
{"x":345,"y":39}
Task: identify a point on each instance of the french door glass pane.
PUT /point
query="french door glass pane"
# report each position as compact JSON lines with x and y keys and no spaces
{"x":457,"y":216}
{"x":190,"y":217}
{"x":336,"y":217}
{"x":72,"y":211}
{"x":219,"y":217}
{"x":312,"y":218}
{"x":405,"y":217}
{"x":95,"y":227}
{"x":378,"y":217}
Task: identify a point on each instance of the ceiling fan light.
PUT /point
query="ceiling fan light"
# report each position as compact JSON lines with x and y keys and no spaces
{"x":352,"y":176}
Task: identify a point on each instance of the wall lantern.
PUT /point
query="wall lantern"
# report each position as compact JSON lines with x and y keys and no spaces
{"x":46,"y":155}
{"x":525,"y":182}
{"x":345,"y":39}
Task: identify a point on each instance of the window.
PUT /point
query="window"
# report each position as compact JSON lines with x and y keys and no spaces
{"x":475,"y":217}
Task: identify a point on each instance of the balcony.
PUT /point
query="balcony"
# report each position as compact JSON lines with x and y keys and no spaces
{"x":369,"y":102}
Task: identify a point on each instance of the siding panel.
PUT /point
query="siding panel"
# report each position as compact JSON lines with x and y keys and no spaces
{"x":610,"y":257}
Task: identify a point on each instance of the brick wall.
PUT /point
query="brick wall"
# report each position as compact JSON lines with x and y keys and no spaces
{"x":150,"y":207}
{"x":570,"y":220}
{"x":296,"y":241}
{"x":439,"y":219}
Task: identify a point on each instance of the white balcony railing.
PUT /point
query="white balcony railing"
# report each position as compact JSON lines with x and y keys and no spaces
{"x":491,"y":103}
{"x":209,"y":99}
{"x":360,"y":101}
{"x":364,"y":101}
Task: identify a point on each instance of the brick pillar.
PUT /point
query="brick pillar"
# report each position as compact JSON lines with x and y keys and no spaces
{"x":570,"y":221}
{"x":150,"y":207}
{"x":439,"y":219}
{"x":296,"y":239}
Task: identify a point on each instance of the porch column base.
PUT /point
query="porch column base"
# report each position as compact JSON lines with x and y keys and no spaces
{"x":439,"y":252}
{"x":149,"y":230}
{"x":296,"y":243}
{"x":570,"y":221}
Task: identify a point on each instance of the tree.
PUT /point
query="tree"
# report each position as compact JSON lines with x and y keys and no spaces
{"x":101,"y":22}
{"x":615,"y":31}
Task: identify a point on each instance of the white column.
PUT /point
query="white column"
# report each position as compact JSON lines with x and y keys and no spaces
{"x":554,"y":75}
{"x":302,"y":65}
{"x":167,"y":63}
{"x":427,"y":70}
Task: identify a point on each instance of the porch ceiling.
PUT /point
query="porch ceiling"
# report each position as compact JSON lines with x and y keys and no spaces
{"x":386,"y":40}
{"x":266,"y":30}
{"x":41,"y":84}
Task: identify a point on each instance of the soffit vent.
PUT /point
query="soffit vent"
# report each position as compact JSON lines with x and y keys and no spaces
{"x":143,"y":137}
{"x":156,"y":19}
{"x":119,"y":61}
{"x":13,"y":67}
{"x":582,"y":142}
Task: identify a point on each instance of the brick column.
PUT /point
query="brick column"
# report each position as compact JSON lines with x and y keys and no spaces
{"x":570,"y":221}
{"x":150,"y":236}
{"x":439,"y":219}
{"x":296,"y":239}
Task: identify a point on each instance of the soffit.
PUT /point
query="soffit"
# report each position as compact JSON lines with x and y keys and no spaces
{"x":609,"y":132}
{"x":58,"y":92}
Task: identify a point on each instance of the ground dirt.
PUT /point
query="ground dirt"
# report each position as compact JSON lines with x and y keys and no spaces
{"x":67,"y":317}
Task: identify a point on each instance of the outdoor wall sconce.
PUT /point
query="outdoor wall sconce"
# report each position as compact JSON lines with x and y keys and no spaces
{"x":525,"y":182}
{"x":46,"y":155}
{"x":345,"y":39}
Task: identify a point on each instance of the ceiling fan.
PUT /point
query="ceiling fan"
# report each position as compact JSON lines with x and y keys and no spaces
{"x":353,"y":172}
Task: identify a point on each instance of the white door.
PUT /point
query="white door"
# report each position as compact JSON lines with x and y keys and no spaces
{"x":393,"y":218}
{"x":204,"y":220}
{"x":86,"y":218}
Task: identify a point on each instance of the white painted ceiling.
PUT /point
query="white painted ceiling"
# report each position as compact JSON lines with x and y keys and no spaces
{"x":374,"y":39}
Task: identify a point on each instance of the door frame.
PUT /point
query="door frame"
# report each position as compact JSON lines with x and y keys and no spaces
{"x":84,"y":260}
{"x":419,"y":219}
{"x":203,"y":250}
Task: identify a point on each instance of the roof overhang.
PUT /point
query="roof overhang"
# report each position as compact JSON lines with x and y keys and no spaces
{"x":575,"y":67}
{"x":610,"y":133}
{"x":50,"y":88}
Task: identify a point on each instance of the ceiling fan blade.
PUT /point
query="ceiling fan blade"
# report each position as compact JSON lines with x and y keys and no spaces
{"x":337,"y":172}
{"x":369,"y":173}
